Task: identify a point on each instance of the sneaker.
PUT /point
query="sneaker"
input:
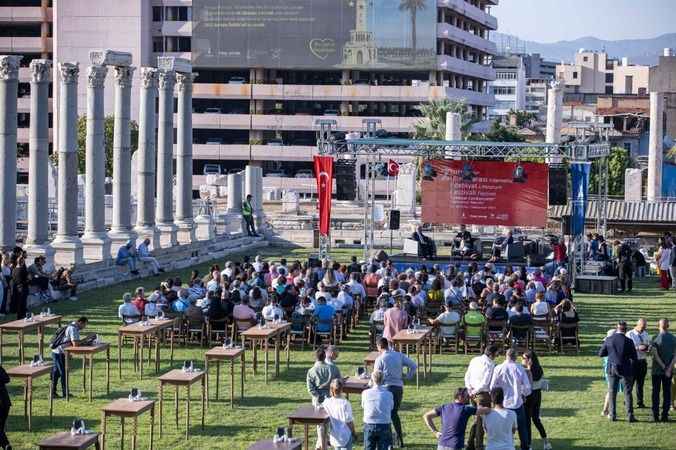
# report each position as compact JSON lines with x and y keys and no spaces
{"x":665,"y":419}
{"x":73,"y":298}
{"x":547,"y":445}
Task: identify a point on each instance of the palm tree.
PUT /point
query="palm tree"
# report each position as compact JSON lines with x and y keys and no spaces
{"x":433,"y":126}
{"x":413,"y":6}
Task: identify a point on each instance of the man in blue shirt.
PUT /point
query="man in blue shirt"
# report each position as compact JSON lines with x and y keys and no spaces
{"x":126,"y":256}
{"x":324,"y":315}
{"x":143,"y":253}
{"x":454,"y":418}
{"x":392,"y":364}
{"x":377,"y":403}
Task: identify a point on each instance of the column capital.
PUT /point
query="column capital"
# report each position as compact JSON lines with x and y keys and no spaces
{"x":9,"y":67}
{"x":184,"y":80}
{"x":149,"y":77}
{"x":40,"y":70}
{"x":69,"y":72}
{"x":167,"y":79}
{"x":124,"y":75}
{"x":96,"y":76}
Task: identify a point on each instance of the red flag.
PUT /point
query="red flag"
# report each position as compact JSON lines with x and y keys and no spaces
{"x":392,"y":168}
{"x":324,"y":175}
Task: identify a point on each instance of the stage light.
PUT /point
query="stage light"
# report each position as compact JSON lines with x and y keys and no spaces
{"x":519,"y":175}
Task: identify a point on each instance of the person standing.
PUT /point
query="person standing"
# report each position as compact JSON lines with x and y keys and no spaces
{"x":377,"y":403}
{"x":394,"y":320}
{"x":342,"y":435}
{"x":391,"y":363}
{"x":664,"y":358}
{"x":625,"y":268}
{"x":454,"y":418}
{"x":19,"y":287}
{"x":478,"y":383}
{"x":5,"y":405}
{"x":641,"y":340}
{"x":70,"y":338}
{"x":500,"y":424}
{"x":622,"y":357}
{"x":513,"y":379}
{"x":534,"y":401}
{"x":663,"y":260}
{"x":247,"y":214}
{"x":318,"y":380}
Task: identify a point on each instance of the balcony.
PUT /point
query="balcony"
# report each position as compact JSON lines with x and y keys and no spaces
{"x":470,"y":97}
{"x":253,"y":152}
{"x":26,"y":14}
{"x":172,"y":28}
{"x":470,"y":11}
{"x":334,"y":93}
{"x":451,"y":64}
{"x":25,"y":44}
{"x":455,"y":34}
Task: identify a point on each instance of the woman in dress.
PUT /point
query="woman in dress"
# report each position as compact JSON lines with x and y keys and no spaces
{"x":663,"y":259}
{"x":534,"y":400}
{"x":19,"y":288}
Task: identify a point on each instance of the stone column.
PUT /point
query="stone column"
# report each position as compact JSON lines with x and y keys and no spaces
{"x":37,"y":240}
{"x":655,"y":146}
{"x":95,"y":241}
{"x":554,"y":112}
{"x":234,"y":222}
{"x":121,"y":230}
{"x":185,"y":232}
{"x":67,"y":242}
{"x":453,"y":126}
{"x":145,"y":208}
{"x":253,"y":185}
{"x":9,"y":86}
{"x":165,"y":160}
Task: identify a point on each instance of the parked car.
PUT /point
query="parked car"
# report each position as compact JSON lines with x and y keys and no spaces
{"x":331,"y":112}
{"x":304,"y":174}
{"x":213,"y":110}
{"x":277,"y":174}
{"x":237,"y":80}
{"x":214,"y":141}
{"x":275,"y":142}
{"x":211,"y":169}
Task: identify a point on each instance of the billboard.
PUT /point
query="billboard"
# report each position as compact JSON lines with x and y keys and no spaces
{"x":485,"y":193}
{"x":315,"y":34}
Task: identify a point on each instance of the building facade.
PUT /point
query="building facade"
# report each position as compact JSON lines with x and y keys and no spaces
{"x":509,"y":86}
{"x":265,"y":113}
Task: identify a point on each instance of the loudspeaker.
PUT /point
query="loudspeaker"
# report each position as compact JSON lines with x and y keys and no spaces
{"x":381,"y":256}
{"x":558,"y":186}
{"x":346,"y":181}
{"x":565,"y":225}
{"x":313,"y":262}
{"x":395,"y":217}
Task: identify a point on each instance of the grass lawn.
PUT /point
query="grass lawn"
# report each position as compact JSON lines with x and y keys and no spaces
{"x":571,"y":410}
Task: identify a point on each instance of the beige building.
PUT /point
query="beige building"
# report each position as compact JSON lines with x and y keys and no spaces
{"x":596,"y":73}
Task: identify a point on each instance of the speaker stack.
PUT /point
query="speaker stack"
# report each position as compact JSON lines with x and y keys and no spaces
{"x":558,"y":186}
{"x":346,"y":179}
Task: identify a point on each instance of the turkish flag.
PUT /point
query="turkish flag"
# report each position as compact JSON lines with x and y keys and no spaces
{"x":392,"y":168}
{"x":324,"y":175}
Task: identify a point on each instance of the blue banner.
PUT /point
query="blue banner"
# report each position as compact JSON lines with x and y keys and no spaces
{"x":580,"y":180}
{"x":668,"y":180}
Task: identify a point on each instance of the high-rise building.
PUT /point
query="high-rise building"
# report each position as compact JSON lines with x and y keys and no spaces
{"x":509,"y":86}
{"x":267,"y":70}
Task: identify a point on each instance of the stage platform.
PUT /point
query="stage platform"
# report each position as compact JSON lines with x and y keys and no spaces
{"x":402,"y":262}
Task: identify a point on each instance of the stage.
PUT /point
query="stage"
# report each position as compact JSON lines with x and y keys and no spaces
{"x":402,"y":262}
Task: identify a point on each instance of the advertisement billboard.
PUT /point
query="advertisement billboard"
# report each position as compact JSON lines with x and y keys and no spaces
{"x":315,"y":34}
{"x":484,"y":193}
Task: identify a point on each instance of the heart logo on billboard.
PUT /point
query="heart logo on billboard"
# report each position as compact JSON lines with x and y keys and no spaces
{"x":322,"y":48}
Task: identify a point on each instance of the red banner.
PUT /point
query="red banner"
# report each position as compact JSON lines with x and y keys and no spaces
{"x":324,"y":175}
{"x":485,"y":193}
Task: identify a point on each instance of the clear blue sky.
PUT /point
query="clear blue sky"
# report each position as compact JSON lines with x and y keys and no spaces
{"x":557,"y":20}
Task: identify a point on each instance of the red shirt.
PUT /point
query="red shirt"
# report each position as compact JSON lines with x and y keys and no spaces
{"x":140,"y":304}
{"x":559,"y":252}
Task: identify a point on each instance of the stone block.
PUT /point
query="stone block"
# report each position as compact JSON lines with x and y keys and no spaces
{"x":110,"y":58}
{"x":167,"y":63}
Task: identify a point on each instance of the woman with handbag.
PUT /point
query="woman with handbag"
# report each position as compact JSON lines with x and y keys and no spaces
{"x":534,"y":400}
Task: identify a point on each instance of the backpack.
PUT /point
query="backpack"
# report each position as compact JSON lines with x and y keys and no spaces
{"x":58,"y":338}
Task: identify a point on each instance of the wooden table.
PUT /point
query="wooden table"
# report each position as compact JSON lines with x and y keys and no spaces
{"x":87,"y":352}
{"x":270,"y":331}
{"x":370,"y":359}
{"x":267,"y":444}
{"x":21,"y":327}
{"x":308,"y":415}
{"x":66,"y":441}
{"x":28,"y":374}
{"x":178,"y":378}
{"x":139,"y":333}
{"x":355,"y":385}
{"x":124,"y":408}
{"x":417,"y":338}
{"x":219,"y":354}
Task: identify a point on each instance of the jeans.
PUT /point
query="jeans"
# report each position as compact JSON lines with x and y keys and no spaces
{"x":672,"y":273}
{"x":663,"y":383}
{"x":250,"y":227}
{"x":533,"y":402}
{"x":398,"y":395}
{"x":129,"y":262}
{"x":346,"y":447}
{"x":154,"y":265}
{"x":59,"y":371}
{"x":522,"y":425}
{"x":641,"y":369}
{"x":4,"y":413}
{"x":613,"y":386}
{"x":377,"y":436}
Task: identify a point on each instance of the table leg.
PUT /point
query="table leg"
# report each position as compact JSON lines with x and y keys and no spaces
{"x":277,"y":345}
{"x":288,"y":349}
{"x":243,"y":369}
{"x":176,"y":406}
{"x":103,"y":430}
{"x":122,"y":433}
{"x":218,"y":377}
{"x":143,"y":341}
{"x":267,"y":359}
{"x":255,"y":355}
{"x":424,"y":355}
{"x":157,"y":353}
{"x":41,"y":340}
{"x":187,"y":413}
{"x":30,"y":403}
{"x":171,"y":344}
{"x":206,"y":376}
{"x":1,"y":344}
{"x":152,"y":426}
{"x":21,"y":349}
{"x":84,"y":374}
{"x":66,"y":371}
{"x":161,"y":399}
{"x":119,"y":355}
{"x":307,"y":436}
{"x":232,"y":383}
{"x":51,"y":397}
{"x":135,"y":354}
{"x":204,"y":387}
{"x":417,"y":372}
{"x":108,"y":371}
{"x":133,"y":436}
{"x":430,"y":353}
{"x":289,"y":431}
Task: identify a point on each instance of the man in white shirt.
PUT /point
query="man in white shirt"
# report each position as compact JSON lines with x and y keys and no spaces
{"x":377,"y":403}
{"x":356,"y":288}
{"x":128,"y":310}
{"x":272,"y":310}
{"x":478,"y":383}
{"x":641,"y":340}
{"x":257,"y":264}
{"x":342,"y":433}
{"x":69,"y":338}
{"x":514,"y":381}
{"x":143,"y":252}
{"x":447,"y":321}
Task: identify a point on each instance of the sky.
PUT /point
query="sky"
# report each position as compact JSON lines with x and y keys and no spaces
{"x":557,"y":20}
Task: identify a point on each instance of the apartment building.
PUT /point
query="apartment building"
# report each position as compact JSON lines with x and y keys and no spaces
{"x":258,"y":95}
{"x":509,"y":86}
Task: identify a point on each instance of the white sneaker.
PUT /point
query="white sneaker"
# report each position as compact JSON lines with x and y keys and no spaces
{"x":547,"y":446}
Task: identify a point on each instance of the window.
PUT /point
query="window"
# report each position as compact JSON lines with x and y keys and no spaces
{"x":158,"y":13}
{"x":642,"y":91}
{"x":609,"y":90}
{"x":574,"y":75}
{"x":506,"y":76}
{"x":503,"y":90}
{"x":178,"y":13}
{"x":627,"y":146}
{"x":158,"y":44}
{"x":609,"y":78}
{"x":585,"y":58}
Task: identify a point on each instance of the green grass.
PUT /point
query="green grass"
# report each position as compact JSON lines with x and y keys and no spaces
{"x":571,"y":410}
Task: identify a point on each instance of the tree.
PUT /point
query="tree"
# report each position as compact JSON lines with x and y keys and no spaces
{"x":522,"y":117}
{"x":499,"y":133}
{"x":108,"y":130}
{"x":412,"y":6}
{"x":619,"y":161}
{"x":434,"y":125}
